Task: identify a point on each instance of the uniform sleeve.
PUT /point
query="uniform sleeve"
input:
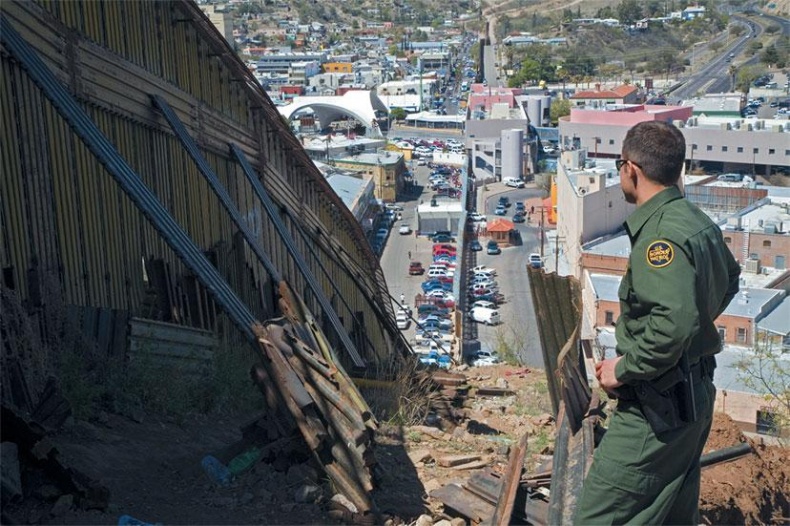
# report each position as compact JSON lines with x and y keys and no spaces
{"x":665,"y":306}
{"x":734,"y":272}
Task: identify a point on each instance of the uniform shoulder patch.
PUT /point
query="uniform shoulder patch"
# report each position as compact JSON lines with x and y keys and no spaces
{"x":660,"y":254}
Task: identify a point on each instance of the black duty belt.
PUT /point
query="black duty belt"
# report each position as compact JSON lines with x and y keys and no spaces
{"x":703,"y":369}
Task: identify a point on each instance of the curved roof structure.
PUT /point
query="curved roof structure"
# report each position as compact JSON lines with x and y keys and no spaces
{"x":360,"y":104}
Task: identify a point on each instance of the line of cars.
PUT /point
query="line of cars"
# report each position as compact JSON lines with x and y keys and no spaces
{"x":434,"y":324}
{"x":484,"y":296}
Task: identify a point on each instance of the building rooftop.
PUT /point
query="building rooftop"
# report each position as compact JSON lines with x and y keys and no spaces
{"x":606,"y":286}
{"x":382,"y":158}
{"x":752,"y":302}
{"x":778,"y":320}
{"x":771,"y":217}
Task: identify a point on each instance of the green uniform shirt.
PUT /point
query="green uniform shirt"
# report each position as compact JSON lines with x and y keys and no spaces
{"x":680,"y":278}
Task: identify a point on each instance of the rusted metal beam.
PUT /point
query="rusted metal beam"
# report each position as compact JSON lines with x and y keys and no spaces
{"x":510,"y":482}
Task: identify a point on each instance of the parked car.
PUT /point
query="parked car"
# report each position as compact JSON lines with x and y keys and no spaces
{"x":402,"y":320}
{"x":484,"y":304}
{"x":492,"y":248}
{"x":535,"y":261}
{"x":476,"y":217}
{"x":444,"y":247}
{"x":404,"y":229}
{"x":440,"y":294}
{"x":475,"y":246}
{"x":482,"y":268}
{"x":394,"y":207}
{"x":484,"y":362}
{"x":514,"y":182}
{"x":483,"y":315}
{"x":416,"y":268}
{"x":429,"y":308}
{"x":435,"y":359}
{"x":442,"y":238}
{"x":504,"y":201}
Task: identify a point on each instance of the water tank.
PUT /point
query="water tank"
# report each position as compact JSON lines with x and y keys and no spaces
{"x":512,"y":145}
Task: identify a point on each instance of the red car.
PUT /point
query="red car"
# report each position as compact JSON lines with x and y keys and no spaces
{"x":443,"y":247}
{"x":416,"y":269}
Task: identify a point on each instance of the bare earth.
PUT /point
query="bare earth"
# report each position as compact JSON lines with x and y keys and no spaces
{"x":153,"y":468}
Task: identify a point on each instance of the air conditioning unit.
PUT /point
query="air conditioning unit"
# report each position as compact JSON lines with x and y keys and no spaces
{"x":752,"y":266}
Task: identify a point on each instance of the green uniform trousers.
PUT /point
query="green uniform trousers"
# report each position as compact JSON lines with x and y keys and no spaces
{"x":640,"y":478}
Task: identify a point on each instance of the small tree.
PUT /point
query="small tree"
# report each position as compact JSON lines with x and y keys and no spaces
{"x":559,"y":108}
{"x":397,"y":114}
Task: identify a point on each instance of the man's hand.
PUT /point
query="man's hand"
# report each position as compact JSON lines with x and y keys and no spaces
{"x":604,"y":372}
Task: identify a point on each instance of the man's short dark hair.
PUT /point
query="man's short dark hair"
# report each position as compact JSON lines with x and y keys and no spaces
{"x":658,"y":148}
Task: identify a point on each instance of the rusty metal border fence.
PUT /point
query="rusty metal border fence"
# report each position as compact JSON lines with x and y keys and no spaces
{"x":61,"y":214}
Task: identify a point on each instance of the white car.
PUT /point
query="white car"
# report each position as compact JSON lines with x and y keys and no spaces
{"x":484,"y":304}
{"x":482,"y":268}
{"x":514,"y":182}
{"x":440,"y":294}
{"x":477,"y":217}
{"x":394,"y":207}
{"x":548,"y":149}
{"x":404,"y":229}
{"x":402,"y":321}
{"x":485,"y":362}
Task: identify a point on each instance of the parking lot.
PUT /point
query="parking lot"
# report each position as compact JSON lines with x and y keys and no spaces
{"x":518,"y":328}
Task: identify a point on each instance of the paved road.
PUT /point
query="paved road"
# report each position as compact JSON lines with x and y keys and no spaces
{"x":519,"y":328}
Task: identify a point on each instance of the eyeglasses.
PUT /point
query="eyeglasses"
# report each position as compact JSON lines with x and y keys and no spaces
{"x":619,"y":163}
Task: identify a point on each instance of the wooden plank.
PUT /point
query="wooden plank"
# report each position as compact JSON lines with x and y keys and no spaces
{"x":455,"y":460}
{"x":173,"y":350}
{"x":507,"y":496}
{"x":467,"y":504}
{"x":170,"y":332}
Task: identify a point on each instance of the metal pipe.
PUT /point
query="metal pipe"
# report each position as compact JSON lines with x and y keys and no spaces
{"x":725,"y":455}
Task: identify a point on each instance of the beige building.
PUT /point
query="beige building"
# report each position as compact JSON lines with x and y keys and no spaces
{"x":387,"y":169}
{"x":590,"y":203}
{"x":222,"y":20}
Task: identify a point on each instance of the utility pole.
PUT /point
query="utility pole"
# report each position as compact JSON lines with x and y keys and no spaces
{"x":542,"y":236}
{"x":557,"y":253}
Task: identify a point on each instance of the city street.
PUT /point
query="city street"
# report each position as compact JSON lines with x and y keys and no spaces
{"x":518,"y":329}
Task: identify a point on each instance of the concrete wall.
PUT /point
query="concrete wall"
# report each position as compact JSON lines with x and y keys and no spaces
{"x":582,"y":218}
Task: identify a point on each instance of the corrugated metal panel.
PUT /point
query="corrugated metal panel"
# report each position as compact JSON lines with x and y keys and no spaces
{"x":86,"y":233}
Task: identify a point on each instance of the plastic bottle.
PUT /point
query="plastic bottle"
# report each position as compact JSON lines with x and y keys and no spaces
{"x":244,"y":461}
{"x":216,"y":470}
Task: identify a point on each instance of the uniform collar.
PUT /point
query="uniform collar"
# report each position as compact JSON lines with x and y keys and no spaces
{"x":643,"y":213}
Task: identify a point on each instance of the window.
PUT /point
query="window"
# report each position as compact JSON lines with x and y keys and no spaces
{"x":727,"y":240}
{"x":609,"y":318}
{"x":766,"y":244}
{"x":740,"y":149}
{"x":787,"y":152}
{"x":722,"y":332}
{"x":592,"y":180}
{"x":771,"y":151}
{"x":724,"y":148}
{"x":755,"y":150}
{"x":709,"y":148}
{"x":741,"y":335}
{"x":766,"y":422}
{"x":693,"y":146}
{"x":611,"y":141}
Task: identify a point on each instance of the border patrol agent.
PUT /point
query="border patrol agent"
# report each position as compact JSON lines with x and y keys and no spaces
{"x":680,"y":278}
